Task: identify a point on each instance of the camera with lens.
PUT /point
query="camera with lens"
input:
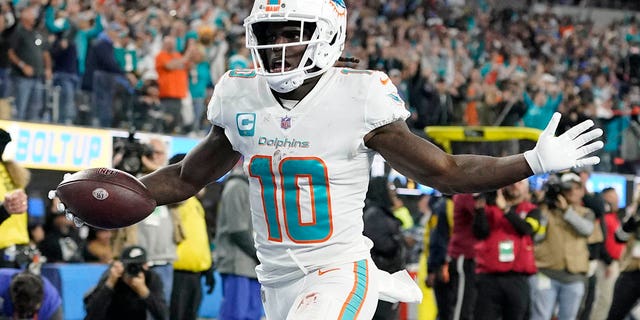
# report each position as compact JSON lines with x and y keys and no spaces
{"x":132,"y":152}
{"x":556,"y":185}
{"x":133,"y":268}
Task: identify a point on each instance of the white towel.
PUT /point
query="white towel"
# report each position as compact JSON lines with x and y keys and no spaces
{"x":398,"y":287}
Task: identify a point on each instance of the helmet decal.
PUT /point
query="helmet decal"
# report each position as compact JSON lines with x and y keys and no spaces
{"x":272,"y":6}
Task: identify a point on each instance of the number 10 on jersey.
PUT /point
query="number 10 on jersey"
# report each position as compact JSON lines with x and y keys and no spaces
{"x":287,"y":183}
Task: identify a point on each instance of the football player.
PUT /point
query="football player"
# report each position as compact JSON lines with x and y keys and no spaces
{"x":307,"y":132}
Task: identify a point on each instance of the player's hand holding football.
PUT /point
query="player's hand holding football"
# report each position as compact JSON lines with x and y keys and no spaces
{"x":104,"y":198}
{"x":569,"y":150}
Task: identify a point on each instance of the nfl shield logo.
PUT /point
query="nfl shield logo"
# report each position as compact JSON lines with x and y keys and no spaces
{"x":285,"y":122}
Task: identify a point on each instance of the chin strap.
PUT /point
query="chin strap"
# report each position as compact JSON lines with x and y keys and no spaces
{"x":286,"y":83}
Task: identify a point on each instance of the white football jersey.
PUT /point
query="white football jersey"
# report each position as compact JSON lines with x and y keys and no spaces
{"x":308,"y":167}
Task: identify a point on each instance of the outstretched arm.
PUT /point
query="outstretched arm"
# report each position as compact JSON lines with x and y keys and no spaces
{"x":208,"y":161}
{"x":427,"y":164}
{"x":424,"y":162}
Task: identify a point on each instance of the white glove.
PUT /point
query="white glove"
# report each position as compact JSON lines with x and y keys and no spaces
{"x":553,"y":154}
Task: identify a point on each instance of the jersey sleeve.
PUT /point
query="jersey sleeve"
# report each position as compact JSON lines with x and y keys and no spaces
{"x":384,"y":105}
{"x":214,"y":109}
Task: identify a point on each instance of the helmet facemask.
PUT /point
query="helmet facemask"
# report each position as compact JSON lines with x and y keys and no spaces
{"x":320,"y":38}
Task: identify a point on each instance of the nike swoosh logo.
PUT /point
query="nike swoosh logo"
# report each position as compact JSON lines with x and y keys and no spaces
{"x":320,"y":272}
{"x":384,"y":81}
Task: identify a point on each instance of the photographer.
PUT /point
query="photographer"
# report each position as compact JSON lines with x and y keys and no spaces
{"x":127,"y":290}
{"x":505,"y":222}
{"x":626,"y":294}
{"x":562,"y":257}
{"x":128,"y":154}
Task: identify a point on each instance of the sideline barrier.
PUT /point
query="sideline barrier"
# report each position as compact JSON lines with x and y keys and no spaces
{"x":73,"y":281}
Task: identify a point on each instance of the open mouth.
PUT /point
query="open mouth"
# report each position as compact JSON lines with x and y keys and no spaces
{"x":276,"y":66}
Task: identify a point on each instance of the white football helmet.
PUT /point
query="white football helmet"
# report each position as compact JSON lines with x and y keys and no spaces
{"x":324,"y":47}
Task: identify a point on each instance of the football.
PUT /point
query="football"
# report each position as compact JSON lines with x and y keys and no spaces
{"x":105,"y":198}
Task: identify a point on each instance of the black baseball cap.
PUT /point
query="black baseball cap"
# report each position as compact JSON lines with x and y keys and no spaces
{"x":133,"y":254}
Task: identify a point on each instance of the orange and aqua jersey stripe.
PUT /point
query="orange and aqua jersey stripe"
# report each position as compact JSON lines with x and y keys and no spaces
{"x":353,"y":304}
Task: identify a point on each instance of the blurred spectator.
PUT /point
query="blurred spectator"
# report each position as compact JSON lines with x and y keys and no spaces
{"x":240,"y":59}
{"x":31,"y":64}
{"x":625,"y":293}
{"x":420,"y":92}
{"x":235,"y":252}
{"x":608,"y":271}
{"x":603,"y":94}
{"x":417,"y":238}
{"x":172,"y":68}
{"x":127,"y":290}
{"x":437,"y":261}
{"x":573,"y":114}
{"x":381,"y":56}
{"x":179,"y":34}
{"x":543,"y":104}
{"x":160,"y":232}
{"x":629,"y":66}
{"x":562,"y":256}
{"x":193,"y":258}
{"x":462,"y":292}
{"x":200,"y":78}
{"x":403,"y":89}
{"x":13,"y":228}
{"x":401,"y":212}
{"x":147,"y":112}
{"x":66,"y":19}
{"x":614,"y":128}
{"x":6,"y":29}
{"x":103,"y":71}
{"x":25,"y":295}
{"x":98,"y":248}
{"x":505,"y":223}
{"x":474,"y":95}
{"x":61,"y":241}
{"x":511,"y":108}
{"x":87,"y":31}
{"x":65,"y":75}
{"x":442,"y":100}
{"x":385,"y":230}
{"x":126,"y":53}
{"x":217,"y":51}
{"x":597,"y":252}
{"x":36,"y":234}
